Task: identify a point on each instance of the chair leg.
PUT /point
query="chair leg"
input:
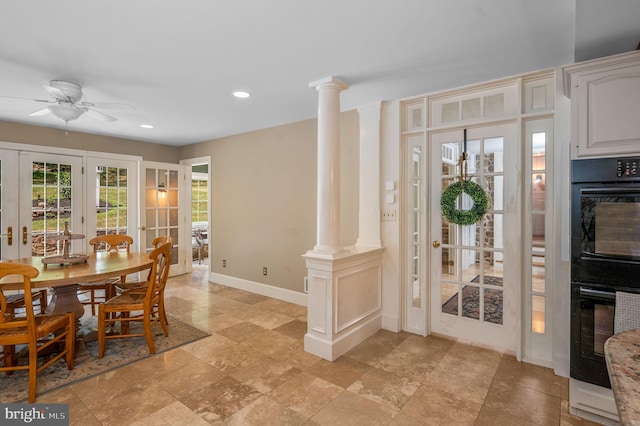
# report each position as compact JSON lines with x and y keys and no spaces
{"x":163,"y":316}
{"x":148,"y":334}
{"x":43,"y":301}
{"x":124,"y":325}
{"x":9,"y":354}
{"x":93,"y":302}
{"x":33,"y":371}
{"x":101,"y":331}
{"x":71,"y":341}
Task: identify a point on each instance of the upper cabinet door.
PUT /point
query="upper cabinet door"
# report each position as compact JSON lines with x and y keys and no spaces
{"x":605,"y":117}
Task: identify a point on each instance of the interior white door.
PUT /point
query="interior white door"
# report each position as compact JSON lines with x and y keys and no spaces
{"x":40,"y":193}
{"x":160,"y":193}
{"x":112,"y":198}
{"x":474,"y":269}
{"x":9,"y":214}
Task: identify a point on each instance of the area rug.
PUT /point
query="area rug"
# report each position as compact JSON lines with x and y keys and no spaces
{"x":471,"y":301}
{"x":118,"y":352}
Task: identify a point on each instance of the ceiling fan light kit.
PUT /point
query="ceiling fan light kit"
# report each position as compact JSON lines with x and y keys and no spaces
{"x":66,"y":112}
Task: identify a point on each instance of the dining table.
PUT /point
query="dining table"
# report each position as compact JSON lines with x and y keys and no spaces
{"x":64,"y":279}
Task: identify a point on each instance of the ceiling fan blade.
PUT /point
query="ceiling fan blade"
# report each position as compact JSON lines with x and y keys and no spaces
{"x":99,"y":115}
{"x":57,"y":94}
{"x":107,"y":105}
{"x":40,"y":112}
{"x":26,"y":99}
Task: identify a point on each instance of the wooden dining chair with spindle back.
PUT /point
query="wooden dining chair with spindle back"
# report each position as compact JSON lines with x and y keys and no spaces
{"x":38,"y":332}
{"x":110,"y":242}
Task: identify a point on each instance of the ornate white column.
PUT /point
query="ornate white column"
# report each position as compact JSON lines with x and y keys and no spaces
{"x":344,"y":297}
{"x":328,"y":204}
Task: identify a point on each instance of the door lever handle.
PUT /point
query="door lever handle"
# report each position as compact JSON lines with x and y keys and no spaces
{"x":9,"y":235}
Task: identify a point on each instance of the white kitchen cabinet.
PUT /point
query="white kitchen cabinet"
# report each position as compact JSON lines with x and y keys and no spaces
{"x":605,"y":105}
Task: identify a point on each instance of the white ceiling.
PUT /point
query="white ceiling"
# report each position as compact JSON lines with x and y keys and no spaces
{"x":179,"y":62}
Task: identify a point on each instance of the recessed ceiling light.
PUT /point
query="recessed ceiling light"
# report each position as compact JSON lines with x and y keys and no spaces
{"x":241,"y":94}
{"x":146,"y":126}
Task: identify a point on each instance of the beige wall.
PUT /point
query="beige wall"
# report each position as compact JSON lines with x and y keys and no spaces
{"x":263,"y":195}
{"x":263,"y":191}
{"x":36,"y":135}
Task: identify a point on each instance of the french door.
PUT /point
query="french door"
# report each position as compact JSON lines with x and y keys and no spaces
{"x":473,"y":269}
{"x":41,"y":194}
{"x":112,"y":198}
{"x":162,"y":184}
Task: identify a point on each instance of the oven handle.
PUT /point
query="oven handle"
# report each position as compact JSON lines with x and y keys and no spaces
{"x":597,"y":293}
{"x":623,"y":190}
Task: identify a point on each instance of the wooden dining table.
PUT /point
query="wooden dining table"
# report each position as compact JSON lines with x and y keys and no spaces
{"x":63,"y":280}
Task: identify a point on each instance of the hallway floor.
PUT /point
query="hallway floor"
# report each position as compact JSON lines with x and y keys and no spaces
{"x":253,"y":370}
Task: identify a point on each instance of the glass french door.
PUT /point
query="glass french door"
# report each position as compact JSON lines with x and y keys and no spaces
{"x":112,"y":198}
{"x":161,"y":187}
{"x":474,"y":269}
{"x":41,"y":194}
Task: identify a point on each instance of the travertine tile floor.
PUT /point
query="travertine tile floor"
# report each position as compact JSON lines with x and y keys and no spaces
{"x":253,"y":370}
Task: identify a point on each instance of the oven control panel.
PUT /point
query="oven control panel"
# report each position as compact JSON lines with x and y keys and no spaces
{"x":628,"y":167}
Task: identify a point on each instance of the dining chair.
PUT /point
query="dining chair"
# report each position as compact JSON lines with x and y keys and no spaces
{"x":110,"y":242}
{"x":142,"y":285}
{"x":124,"y":286}
{"x":40,"y":333}
{"x":137,"y":305}
{"x":16,"y":302}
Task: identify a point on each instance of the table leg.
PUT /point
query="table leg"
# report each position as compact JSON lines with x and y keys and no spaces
{"x":65,"y":299}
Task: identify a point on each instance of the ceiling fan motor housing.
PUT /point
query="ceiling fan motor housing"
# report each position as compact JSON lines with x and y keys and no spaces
{"x":72,"y":90}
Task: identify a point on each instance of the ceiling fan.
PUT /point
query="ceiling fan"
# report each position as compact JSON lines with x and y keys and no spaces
{"x":67,"y":104}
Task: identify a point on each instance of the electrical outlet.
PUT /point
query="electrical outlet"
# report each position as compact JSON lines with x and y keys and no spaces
{"x":264,"y":271}
{"x":224,"y":263}
{"x":388,"y":215}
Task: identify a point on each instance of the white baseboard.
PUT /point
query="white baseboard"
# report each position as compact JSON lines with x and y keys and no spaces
{"x":391,"y":323}
{"x":592,"y":402}
{"x":259,"y":288}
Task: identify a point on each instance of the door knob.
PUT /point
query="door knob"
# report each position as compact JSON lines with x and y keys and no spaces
{"x":436,"y":244}
{"x":144,"y":228}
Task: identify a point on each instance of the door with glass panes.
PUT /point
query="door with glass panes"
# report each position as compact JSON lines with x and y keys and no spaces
{"x":112,"y":198}
{"x":161,"y":187}
{"x":474,"y":269}
{"x":41,"y":193}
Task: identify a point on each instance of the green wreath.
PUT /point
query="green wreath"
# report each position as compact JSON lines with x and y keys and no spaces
{"x":464,"y":217}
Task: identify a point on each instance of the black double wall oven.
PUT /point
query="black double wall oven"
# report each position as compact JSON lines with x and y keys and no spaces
{"x":605,"y":256}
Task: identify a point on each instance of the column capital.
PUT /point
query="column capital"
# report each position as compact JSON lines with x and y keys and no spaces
{"x":328,"y":81}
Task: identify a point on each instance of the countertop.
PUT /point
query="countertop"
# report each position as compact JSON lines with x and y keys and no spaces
{"x":622,"y":352}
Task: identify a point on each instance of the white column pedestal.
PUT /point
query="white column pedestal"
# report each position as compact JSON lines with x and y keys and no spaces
{"x":344,"y":300}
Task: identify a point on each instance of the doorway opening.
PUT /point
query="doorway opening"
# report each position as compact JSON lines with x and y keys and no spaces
{"x":200,"y":214}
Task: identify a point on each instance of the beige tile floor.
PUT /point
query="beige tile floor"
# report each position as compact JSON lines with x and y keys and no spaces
{"x":253,"y":370}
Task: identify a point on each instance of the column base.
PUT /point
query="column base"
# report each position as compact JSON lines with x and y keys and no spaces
{"x":344,"y":300}
{"x":332,"y":349}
